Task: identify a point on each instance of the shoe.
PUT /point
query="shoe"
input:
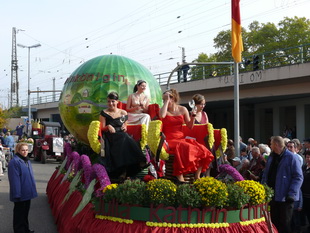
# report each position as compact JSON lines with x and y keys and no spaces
{"x":31,"y":231}
{"x":179,"y":182}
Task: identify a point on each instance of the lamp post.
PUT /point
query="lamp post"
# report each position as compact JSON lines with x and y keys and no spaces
{"x":29,"y":47}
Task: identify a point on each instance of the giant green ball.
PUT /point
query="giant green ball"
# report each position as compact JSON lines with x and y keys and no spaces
{"x":85,"y":92}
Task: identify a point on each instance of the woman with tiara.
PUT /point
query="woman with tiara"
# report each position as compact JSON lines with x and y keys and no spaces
{"x":137,"y":105}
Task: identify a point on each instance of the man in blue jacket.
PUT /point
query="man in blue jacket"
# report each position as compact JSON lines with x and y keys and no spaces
{"x":283,"y":173}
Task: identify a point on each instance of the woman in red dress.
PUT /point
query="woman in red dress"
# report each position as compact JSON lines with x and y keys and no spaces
{"x":190,"y":156}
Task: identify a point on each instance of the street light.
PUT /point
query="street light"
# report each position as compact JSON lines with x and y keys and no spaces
{"x":29,"y":47}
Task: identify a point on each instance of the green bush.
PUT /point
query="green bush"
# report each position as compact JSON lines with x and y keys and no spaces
{"x":132,"y":192}
{"x":269,"y":193}
{"x":236,"y":196}
{"x":187,"y":195}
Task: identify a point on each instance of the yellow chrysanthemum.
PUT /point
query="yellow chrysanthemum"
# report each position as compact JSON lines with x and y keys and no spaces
{"x":213,"y":192}
{"x":92,"y":135}
{"x":153,"y":138}
{"x":249,"y":222}
{"x":223,"y":142}
{"x":143,"y":141}
{"x":109,"y":187}
{"x":114,"y":219}
{"x":211,"y":139}
{"x":255,"y":190}
{"x":189,"y":225}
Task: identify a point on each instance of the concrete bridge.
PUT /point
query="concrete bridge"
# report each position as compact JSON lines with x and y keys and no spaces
{"x":270,"y":101}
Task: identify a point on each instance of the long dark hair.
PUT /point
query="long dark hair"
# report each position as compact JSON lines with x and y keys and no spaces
{"x":138,"y":84}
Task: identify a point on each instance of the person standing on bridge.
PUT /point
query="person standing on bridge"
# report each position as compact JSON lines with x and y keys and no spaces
{"x":22,"y":188}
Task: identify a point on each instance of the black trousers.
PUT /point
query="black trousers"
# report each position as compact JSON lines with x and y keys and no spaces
{"x":20,"y":216}
{"x":306,"y":208}
{"x":281,"y":215}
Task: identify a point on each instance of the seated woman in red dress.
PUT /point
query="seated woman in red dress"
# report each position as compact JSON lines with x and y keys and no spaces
{"x":190,"y":156}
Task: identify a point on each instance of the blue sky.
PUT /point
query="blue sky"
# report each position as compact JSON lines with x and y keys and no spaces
{"x":150,"y":32}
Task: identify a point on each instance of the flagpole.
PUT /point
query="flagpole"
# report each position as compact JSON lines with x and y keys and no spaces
{"x":236,"y":107}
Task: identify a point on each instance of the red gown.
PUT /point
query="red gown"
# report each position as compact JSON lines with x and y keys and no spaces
{"x":189,"y":154}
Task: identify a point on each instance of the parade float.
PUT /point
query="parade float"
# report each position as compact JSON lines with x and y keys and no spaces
{"x":83,"y":199}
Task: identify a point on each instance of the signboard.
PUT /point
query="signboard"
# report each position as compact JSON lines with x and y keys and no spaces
{"x":58,"y":145}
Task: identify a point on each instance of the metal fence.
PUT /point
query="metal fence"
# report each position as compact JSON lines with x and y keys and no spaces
{"x":277,"y":58}
{"x":42,"y":99}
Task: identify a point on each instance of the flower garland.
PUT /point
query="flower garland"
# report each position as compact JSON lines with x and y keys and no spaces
{"x":103,"y":178}
{"x":211,"y":139}
{"x":114,"y":219}
{"x":253,"y":221}
{"x":223,"y":143}
{"x":255,"y":190}
{"x":92,"y":135}
{"x":87,"y":168}
{"x":153,"y":138}
{"x":143,"y":141}
{"x":187,"y":225}
{"x":213,"y":192}
{"x":230,"y":170}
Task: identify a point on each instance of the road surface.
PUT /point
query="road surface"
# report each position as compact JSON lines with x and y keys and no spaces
{"x":40,"y":216}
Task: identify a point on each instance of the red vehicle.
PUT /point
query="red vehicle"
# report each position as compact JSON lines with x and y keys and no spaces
{"x":48,"y":142}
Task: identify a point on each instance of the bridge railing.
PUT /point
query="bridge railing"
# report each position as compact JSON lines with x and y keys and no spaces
{"x":272,"y":59}
{"x":42,"y":99}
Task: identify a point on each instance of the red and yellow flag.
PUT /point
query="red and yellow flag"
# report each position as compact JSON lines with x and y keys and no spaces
{"x":236,"y":38}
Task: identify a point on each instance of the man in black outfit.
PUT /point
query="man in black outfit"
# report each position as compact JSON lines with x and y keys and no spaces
{"x":185,"y":68}
{"x":179,"y":71}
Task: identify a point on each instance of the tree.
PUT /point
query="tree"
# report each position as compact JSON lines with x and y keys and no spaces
{"x":14,"y":112}
{"x":274,"y":41}
{"x":2,"y":118}
{"x":203,"y":71}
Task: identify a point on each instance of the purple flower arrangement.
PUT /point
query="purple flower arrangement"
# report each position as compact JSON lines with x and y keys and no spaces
{"x":67,"y":149}
{"x":87,"y":170}
{"x":230,"y":170}
{"x":69,"y":160}
{"x":102,"y":177}
{"x":76,"y":159}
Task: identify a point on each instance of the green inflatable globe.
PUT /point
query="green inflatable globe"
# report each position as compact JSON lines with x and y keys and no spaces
{"x":85,"y":91}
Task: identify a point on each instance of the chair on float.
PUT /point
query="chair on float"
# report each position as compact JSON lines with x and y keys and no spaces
{"x":203,"y":133}
{"x":153,"y":109}
{"x":138,"y":132}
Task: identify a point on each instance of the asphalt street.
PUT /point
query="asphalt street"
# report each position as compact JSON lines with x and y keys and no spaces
{"x":40,"y":216}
